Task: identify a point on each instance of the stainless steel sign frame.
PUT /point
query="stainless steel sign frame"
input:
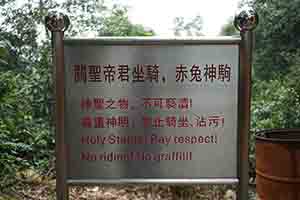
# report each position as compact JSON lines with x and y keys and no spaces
{"x":187,"y":50}
{"x":145,"y":108}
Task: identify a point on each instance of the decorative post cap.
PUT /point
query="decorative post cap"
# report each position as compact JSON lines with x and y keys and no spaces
{"x":246,"y":19}
{"x":56,"y":22}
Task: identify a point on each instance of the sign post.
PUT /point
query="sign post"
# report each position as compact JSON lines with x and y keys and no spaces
{"x":57,"y":24}
{"x":245,"y":21}
{"x":152,"y":110}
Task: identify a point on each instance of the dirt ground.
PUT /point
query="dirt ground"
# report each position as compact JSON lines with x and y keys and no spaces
{"x":30,"y":186}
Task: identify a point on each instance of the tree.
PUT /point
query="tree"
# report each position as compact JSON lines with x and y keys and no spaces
{"x":189,"y":28}
{"x":96,"y":18}
{"x":22,"y":25}
{"x":26,"y":136}
{"x":275,"y":89}
{"x":228,"y":29}
{"x":277,"y":37}
{"x":7,"y":55}
{"x":125,"y":27}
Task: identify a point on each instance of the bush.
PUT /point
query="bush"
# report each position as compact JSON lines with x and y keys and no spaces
{"x":25,"y":136}
{"x":275,"y":104}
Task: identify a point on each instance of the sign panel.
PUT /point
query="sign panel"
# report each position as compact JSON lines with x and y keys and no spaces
{"x":151,"y":110}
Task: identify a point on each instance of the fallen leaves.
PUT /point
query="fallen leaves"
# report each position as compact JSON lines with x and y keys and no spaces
{"x":33,"y":186}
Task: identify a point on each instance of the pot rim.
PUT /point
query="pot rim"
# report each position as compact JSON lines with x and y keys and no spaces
{"x":262,"y":135}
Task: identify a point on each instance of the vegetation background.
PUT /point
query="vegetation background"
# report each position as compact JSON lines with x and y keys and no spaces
{"x":26,"y":131}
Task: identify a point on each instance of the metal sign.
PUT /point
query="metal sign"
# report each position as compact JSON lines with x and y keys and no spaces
{"x":152,"y":110}
{"x":157,"y":109}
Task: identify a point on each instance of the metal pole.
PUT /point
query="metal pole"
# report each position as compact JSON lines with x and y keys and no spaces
{"x":245,"y":21}
{"x":57,"y":23}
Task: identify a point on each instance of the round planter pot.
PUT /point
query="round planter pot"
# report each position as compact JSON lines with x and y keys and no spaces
{"x":278,"y":164}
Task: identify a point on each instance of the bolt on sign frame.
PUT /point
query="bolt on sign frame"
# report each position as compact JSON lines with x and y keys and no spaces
{"x":212,"y":155}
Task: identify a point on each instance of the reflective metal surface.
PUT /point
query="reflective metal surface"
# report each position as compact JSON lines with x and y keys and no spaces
{"x":212,"y":160}
{"x":244,"y":113}
{"x":245,"y":22}
{"x":57,"y":22}
{"x":221,"y":40}
{"x":154,"y":181}
{"x":246,"y":19}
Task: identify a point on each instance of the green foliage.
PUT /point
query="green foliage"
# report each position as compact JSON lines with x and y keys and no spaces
{"x":26,"y":136}
{"x":86,"y":16}
{"x":4,"y":53}
{"x":275,"y":89}
{"x":24,"y":139}
{"x":277,"y":38}
{"x":7,"y":56}
{"x":96,"y":18}
{"x":228,"y":29}
{"x":293,"y":76}
{"x":275,"y":104}
{"x":188,"y":27}
{"x":124,"y":28}
{"x":22,"y":25}
{"x":26,"y":132}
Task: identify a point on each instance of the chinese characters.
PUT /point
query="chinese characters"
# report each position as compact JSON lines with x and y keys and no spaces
{"x":207,"y":73}
{"x":109,"y":73}
{"x":147,"y":119}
